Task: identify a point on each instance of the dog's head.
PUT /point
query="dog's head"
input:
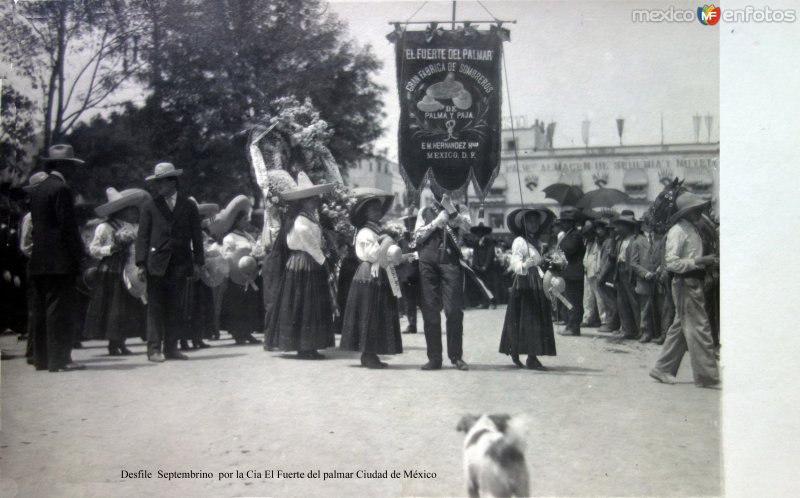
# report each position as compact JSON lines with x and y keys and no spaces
{"x":500,"y":421}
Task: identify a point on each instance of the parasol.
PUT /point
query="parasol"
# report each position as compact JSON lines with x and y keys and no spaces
{"x":566,"y":195}
{"x":602,"y":197}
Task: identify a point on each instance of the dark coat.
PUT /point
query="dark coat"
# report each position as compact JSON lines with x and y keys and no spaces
{"x":483,"y":256}
{"x":573,"y":248}
{"x":57,"y":245}
{"x":407,"y":272}
{"x":641,"y":261}
{"x":608,"y":260}
{"x":169,"y":239}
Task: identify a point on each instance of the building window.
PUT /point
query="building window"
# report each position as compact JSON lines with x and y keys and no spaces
{"x":511,"y":144}
{"x":496,"y":220}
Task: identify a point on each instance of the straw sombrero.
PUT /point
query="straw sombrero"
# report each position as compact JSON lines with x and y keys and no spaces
{"x":365,"y":194}
{"x":304,"y":188}
{"x":206,"y":210}
{"x":481,"y":230}
{"x":164,"y":170}
{"x":35,"y":180}
{"x":515,"y":219}
{"x":215,"y":269}
{"x":118,"y":201}
{"x":62,"y":152}
{"x":223,"y":222}
{"x":685,"y":203}
{"x":243,"y":267}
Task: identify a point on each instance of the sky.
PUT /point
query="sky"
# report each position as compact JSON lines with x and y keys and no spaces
{"x":570,"y":61}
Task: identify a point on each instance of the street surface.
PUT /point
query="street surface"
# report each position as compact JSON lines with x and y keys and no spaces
{"x":599,"y":426}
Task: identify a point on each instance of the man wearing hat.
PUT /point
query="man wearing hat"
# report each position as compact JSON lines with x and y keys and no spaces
{"x":483,"y":260}
{"x":55,"y":263}
{"x":690,"y":329}
{"x":408,"y":270}
{"x":169,"y":251}
{"x":571,"y":244}
{"x":439,"y":227}
{"x":625,"y":277}
{"x":593,"y":307}
{"x":607,"y":264}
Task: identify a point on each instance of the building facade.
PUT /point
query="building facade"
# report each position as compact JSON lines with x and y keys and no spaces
{"x":379,"y":172}
{"x":641,"y":171}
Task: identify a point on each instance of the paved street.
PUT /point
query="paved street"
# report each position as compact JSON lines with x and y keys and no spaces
{"x":598,"y":424}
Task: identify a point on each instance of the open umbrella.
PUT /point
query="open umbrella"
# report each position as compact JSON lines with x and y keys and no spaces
{"x":566,"y":195}
{"x":602,"y":197}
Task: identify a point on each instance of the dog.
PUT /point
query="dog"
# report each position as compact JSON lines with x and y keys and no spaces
{"x":494,"y":455}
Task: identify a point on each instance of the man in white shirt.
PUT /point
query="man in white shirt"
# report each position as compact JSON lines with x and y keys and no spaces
{"x":690,"y":329}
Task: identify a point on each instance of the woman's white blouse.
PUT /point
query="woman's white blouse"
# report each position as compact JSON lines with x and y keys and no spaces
{"x":103,"y":240}
{"x":367,"y":246}
{"x":522,"y":251}
{"x":306,"y":235}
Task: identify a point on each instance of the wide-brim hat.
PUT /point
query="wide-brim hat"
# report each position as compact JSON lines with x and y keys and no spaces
{"x":685,"y":203}
{"x":363,"y":196}
{"x":569,"y":214}
{"x":117,"y":201}
{"x":223,"y":222}
{"x":516,"y":219}
{"x":35,"y":180}
{"x":305,"y":188}
{"x":626,"y":217}
{"x":206,"y":209}
{"x":481,"y":230}
{"x":164,"y":170}
{"x":242,"y":266}
{"x":215,"y":270}
{"x":62,"y":152}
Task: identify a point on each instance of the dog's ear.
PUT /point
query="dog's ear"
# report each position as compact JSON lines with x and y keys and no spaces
{"x":466,"y":423}
{"x":500,"y":421}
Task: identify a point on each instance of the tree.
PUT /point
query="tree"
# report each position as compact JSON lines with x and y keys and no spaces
{"x":78,"y":53}
{"x":16,"y":132}
{"x":213,"y":69}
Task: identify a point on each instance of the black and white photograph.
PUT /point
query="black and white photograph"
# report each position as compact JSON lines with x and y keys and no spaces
{"x":296,"y":248}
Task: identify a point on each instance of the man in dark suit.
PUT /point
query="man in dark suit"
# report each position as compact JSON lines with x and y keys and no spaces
{"x":571,"y":244}
{"x":169,"y":252}
{"x":408,"y":271}
{"x":483,"y":261}
{"x":55,"y":262}
{"x":437,"y":234}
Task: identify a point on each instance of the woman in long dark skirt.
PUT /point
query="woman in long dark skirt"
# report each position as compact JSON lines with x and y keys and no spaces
{"x":371,"y":321}
{"x":114,"y":313}
{"x":301,"y":316}
{"x":528,"y":327}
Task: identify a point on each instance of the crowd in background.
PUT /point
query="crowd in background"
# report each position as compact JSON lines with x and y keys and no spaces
{"x":176,"y":272}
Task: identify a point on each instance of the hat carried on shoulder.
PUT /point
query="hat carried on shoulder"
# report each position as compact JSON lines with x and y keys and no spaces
{"x":223,"y":222}
{"x":515,"y":221}
{"x":685,"y":203}
{"x":305,"y":188}
{"x":62,"y":152}
{"x":164,"y":170}
{"x":117,"y":201}
{"x":35,"y":180}
{"x":365,"y":194}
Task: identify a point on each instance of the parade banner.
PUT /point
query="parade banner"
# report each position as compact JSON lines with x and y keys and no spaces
{"x":450,"y":101}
